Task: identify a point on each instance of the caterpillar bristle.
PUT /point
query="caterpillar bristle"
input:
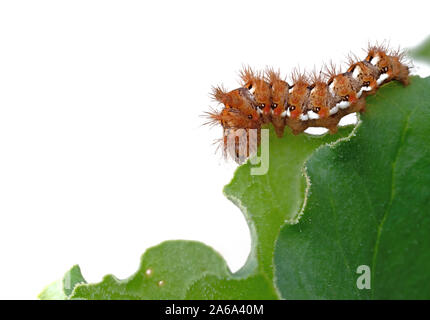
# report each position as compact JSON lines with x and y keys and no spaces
{"x":319,"y":98}
{"x":212,"y":117}
{"x":298,"y":75}
{"x":351,"y":59}
{"x":383,"y":46}
{"x":331,"y":69}
{"x":247,"y":76}
{"x":270,"y":75}
{"x":317,"y":76}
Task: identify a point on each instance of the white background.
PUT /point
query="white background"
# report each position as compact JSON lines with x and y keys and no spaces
{"x":102,"y":152}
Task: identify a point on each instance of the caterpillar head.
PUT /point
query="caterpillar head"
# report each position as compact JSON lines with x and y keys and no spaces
{"x":234,"y":118}
{"x":239,"y":111}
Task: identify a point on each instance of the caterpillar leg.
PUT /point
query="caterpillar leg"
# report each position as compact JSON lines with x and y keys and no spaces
{"x":279,"y":125}
{"x":403,"y":76}
{"x":361,"y":105}
{"x":333,"y":129}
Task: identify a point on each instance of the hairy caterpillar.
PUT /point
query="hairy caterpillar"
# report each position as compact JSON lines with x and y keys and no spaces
{"x":318,"y":99}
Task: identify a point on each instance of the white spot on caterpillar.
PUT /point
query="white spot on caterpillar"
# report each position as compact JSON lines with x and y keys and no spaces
{"x":304,"y":117}
{"x":331,"y":89}
{"x":382,"y":78}
{"x":283,"y":114}
{"x":288,"y":112}
{"x":343,"y":104}
{"x":356,"y":72}
{"x":375,"y":60}
{"x":316,"y":131}
{"x":363,"y":89}
{"x":290,"y":90}
{"x":334,"y":110}
{"x":312,"y":115}
{"x":252,"y":90}
{"x":348,"y":119}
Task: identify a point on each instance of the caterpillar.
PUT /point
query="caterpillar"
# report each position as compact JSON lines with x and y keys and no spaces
{"x":316,"y":99}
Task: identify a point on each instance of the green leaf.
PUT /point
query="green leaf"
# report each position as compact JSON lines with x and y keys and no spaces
{"x":422,"y":52}
{"x":368,"y":205}
{"x":62,"y":289}
{"x":165,"y":272}
{"x":214,"y":288}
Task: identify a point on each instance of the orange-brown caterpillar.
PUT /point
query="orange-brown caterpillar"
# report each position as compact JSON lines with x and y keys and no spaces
{"x":319,"y":99}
